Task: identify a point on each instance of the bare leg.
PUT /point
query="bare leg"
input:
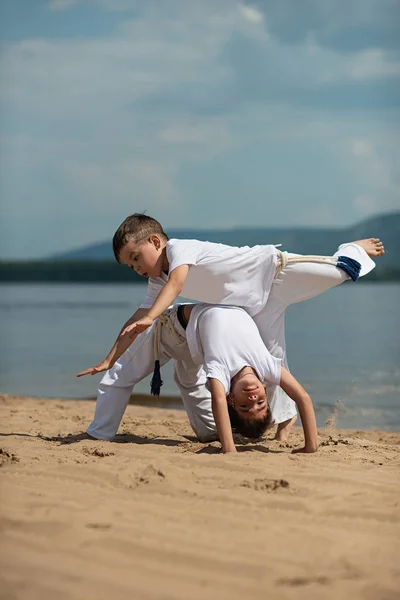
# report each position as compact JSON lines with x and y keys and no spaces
{"x":284,"y":429}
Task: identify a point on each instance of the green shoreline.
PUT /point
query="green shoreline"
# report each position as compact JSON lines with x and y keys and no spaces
{"x":95,"y":271}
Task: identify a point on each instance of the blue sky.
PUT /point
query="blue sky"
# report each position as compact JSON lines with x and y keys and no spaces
{"x":208,"y":114}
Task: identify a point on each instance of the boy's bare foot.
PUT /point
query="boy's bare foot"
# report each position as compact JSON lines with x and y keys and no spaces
{"x":372,"y":246}
{"x":284,"y":429}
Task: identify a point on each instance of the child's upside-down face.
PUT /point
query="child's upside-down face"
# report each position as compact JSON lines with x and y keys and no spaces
{"x":248,"y":396}
{"x":145,"y":257}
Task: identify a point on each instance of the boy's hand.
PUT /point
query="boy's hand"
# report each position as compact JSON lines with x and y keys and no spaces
{"x":138,"y":327}
{"x":103,"y":366}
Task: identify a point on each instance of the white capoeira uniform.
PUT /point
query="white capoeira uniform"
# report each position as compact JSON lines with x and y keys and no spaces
{"x":244,"y":277}
{"x":229,"y":333}
{"x":225,"y":339}
{"x":257,"y":280}
{"x":294,"y":283}
{"x":137,"y":363}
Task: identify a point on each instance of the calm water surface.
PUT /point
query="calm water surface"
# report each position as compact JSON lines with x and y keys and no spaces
{"x":343,"y":346}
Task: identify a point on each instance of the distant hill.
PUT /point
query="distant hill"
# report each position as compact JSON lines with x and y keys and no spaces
{"x":301,"y":240}
{"x":96,"y":263}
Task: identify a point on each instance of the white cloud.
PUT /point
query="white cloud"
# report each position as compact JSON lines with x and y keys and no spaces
{"x":251,"y":13}
{"x":373,"y":168}
{"x":360,"y":147}
{"x":130,"y":182}
{"x":371,"y":64}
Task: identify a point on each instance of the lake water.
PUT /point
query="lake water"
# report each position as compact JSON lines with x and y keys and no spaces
{"x":344,"y":346}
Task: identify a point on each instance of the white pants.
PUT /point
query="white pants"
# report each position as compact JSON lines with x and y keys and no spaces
{"x":295,"y":283}
{"x":135,"y":364}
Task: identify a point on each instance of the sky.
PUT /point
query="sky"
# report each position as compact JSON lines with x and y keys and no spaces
{"x":203,"y":113}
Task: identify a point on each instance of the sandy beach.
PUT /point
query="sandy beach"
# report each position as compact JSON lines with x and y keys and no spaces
{"x":155,"y":515}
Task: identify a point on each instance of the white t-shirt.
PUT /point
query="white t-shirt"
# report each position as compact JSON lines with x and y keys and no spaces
{"x":225,"y":339}
{"x":220,"y":274}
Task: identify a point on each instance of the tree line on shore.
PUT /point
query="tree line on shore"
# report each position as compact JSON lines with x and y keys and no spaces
{"x":107,"y":271}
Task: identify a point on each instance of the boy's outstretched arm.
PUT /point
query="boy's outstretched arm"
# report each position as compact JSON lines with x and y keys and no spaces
{"x":165,"y":298}
{"x":121,"y":344}
{"x":221,"y":416}
{"x":306,"y":409}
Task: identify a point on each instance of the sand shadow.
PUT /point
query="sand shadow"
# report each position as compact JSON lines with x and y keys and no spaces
{"x":30,"y":435}
{"x":247,"y":448}
{"x":70,"y":438}
{"x":123,"y":438}
{"x":192,"y":438}
{"x":133,"y":438}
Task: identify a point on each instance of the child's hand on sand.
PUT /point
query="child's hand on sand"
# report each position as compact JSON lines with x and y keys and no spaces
{"x":138,"y":327}
{"x":103,"y":366}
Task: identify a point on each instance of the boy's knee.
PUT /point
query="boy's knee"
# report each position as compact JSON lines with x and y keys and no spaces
{"x":204,"y":429}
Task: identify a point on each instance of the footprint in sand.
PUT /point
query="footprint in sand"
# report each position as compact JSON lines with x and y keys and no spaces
{"x":7,"y":457}
{"x":331,"y":441}
{"x":96,"y":452}
{"x":149,"y":475}
{"x":266,"y":485}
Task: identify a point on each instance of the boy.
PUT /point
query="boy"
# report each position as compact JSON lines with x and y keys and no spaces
{"x":168,"y":339}
{"x":226,"y":341}
{"x":220,"y":274}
